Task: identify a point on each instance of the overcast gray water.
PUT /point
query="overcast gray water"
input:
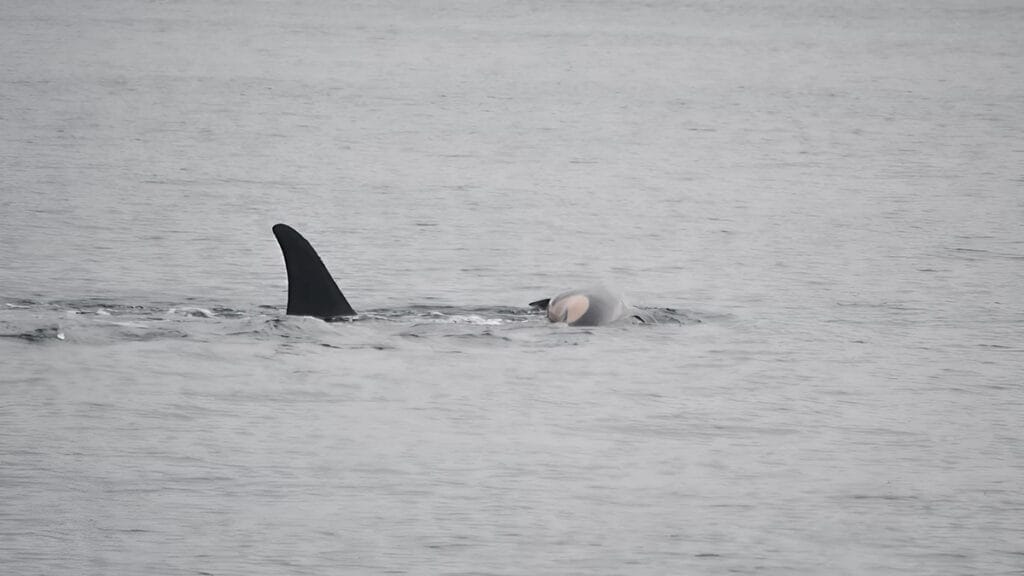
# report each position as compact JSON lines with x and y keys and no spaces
{"x":822,"y":203}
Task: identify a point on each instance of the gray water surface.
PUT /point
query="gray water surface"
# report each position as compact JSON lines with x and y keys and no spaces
{"x":823,"y":202}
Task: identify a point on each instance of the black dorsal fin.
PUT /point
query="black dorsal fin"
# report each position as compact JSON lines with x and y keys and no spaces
{"x":540,"y":304}
{"x":311,"y":289}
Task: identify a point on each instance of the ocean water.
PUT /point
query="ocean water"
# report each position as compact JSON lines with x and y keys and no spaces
{"x":821,"y":201}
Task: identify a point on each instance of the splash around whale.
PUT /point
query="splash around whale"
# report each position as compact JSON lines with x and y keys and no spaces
{"x":312,"y":291}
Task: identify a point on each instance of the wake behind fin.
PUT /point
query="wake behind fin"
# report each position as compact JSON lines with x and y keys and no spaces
{"x":311,"y":289}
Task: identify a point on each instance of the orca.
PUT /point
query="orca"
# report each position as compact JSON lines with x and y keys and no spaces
{"x":593,"y":307}
{"x":312,"y":291}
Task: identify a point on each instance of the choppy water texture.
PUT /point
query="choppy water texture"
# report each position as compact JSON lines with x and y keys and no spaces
{"x":823,"y":200}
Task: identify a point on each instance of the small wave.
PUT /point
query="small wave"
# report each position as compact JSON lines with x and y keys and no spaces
{"x":101,"y":321}
{"x":679,"y":317}
{"x":193,"y":312}
{"x":981,"y":253}
{"x":476,"y":316}
{"x":37,"y":335}
{"x":465,"y":319}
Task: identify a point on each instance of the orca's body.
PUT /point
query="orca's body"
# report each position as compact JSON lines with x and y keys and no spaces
{"x":313,"y":292}
{"x":594,"y":307}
